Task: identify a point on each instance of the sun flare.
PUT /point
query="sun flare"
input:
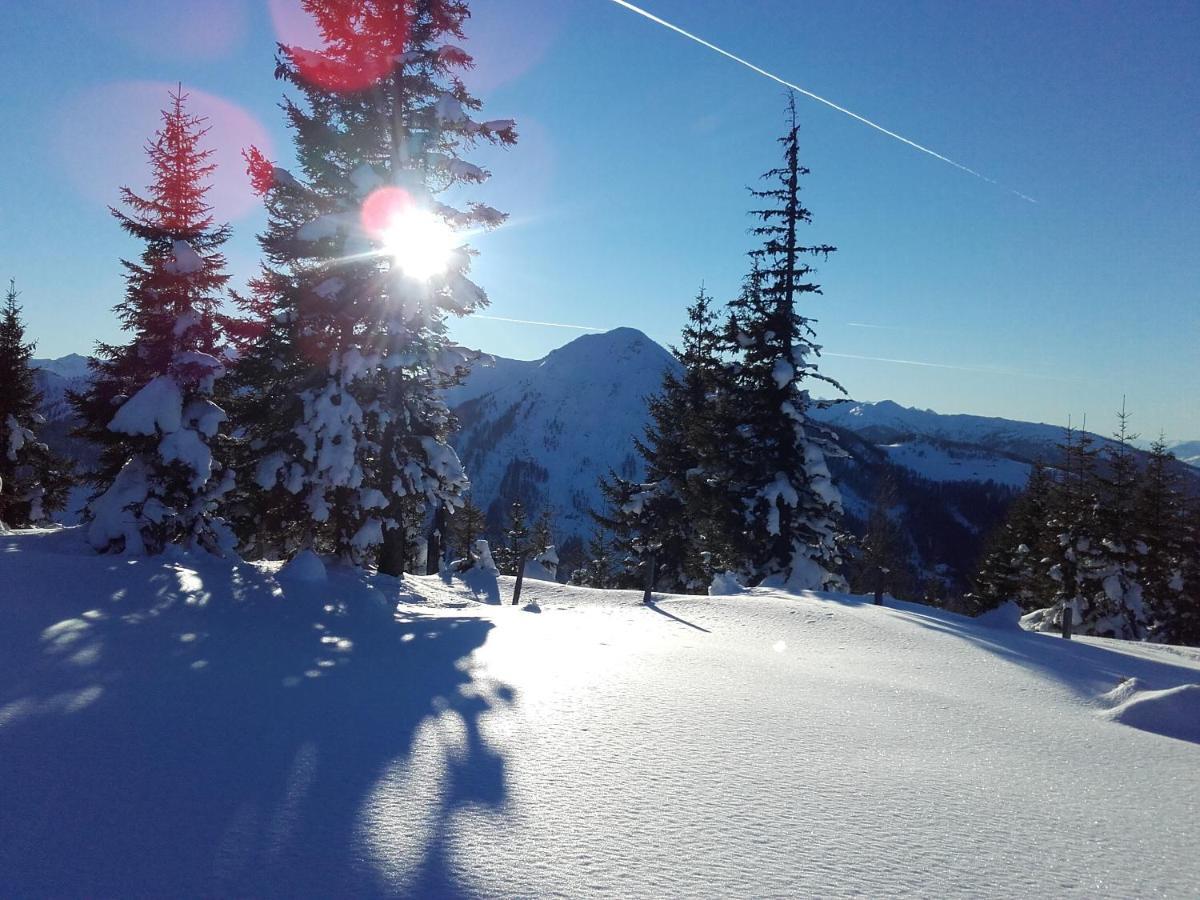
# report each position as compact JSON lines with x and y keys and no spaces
{"x":419,"y":243}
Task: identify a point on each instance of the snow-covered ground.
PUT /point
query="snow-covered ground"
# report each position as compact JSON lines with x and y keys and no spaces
{"x":184,"y":727}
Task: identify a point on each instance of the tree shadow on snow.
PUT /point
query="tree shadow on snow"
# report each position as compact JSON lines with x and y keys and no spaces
{"x":219,"y":737}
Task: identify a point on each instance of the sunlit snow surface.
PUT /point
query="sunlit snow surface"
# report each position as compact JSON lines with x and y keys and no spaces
{"x":185,"y":727}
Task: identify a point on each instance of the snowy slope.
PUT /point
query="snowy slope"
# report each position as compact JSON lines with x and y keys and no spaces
{"x":936,"y":462}
{"x":184,"y":727}
{"x":547,"y":430}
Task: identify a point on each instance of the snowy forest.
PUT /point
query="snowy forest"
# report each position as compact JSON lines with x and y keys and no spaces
{"x":296,"y":437}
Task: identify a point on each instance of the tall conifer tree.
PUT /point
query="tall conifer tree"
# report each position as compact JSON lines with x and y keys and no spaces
{"x":149,"y":405}
{"x":345,"y":432}
{"x":791,"y":505}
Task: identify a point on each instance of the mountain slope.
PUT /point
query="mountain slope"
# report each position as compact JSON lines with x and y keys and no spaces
{"x":546,"y":431}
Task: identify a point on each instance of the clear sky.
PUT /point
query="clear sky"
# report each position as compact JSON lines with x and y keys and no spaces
{"x":628,"y":187}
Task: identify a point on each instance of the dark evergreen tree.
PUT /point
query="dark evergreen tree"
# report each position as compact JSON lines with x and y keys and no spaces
{"x":597,"y":572}
{"x":1171,"y":555}
{"x":879,"y":564}
{"x":778,"y":461}
{"x":518,"y":544}
{"x":1012,"y":567}
{"x":466,"y":527}
{"x":149,"y":405}
{"x":33,"y":480}
{"x":344,"y":424}
{"x":684,"y":512}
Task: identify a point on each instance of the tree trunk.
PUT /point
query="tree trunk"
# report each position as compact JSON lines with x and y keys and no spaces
{"x":651,"y":566}
{"x":392,"y":552}
{"x":433,"y":560}
{"x":1068,"y":619}
{"x":520,"y":580}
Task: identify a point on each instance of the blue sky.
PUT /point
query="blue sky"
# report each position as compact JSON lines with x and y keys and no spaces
{"x":628,"y":188}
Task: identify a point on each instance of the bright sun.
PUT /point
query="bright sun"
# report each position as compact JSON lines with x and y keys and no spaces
{"x":419,"y":242}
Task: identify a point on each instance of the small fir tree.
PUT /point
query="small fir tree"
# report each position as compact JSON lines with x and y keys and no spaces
{"x":33,"y":480}
{"x":149,"y":405}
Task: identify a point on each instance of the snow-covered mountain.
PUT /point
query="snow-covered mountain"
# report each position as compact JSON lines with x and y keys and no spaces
{"x":548,"y":429}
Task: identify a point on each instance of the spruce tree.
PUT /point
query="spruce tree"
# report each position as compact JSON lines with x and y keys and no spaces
{"x":33,"y":480}
{"x":1170,"y":564}
{"x":1012,"y":567}
{"x":779,"y":461}
{"x":1090,"y":579}
{"x":345,"y":429}
{"x":683,"y":509}
{"x":880,"y":564}
{"x":149,"y":406}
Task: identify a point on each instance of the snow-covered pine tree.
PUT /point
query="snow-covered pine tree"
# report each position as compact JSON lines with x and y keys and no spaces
{"x":149,"y":406}
{"x":518,"y":543}
{"x":1123,"y":551}
{"x":597,"y":571}
{"x":33,"y":481}
{"x":1012,"y":566}
{"x":1170,"y":572}
{"x":790,"y":503}
{"x":344,"y":426}
{"x":466,"y":527}
{"x":1089,"y":579}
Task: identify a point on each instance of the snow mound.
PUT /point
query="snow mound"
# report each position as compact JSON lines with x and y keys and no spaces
{"x":1172,"y":712}
{"x":305,"y":566}
{"x":1006,"y":616}
{"x":725,"y":584}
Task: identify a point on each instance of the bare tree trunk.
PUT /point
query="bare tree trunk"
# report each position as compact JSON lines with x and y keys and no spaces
{"x":520,"y":580}
{"x":1068,"y":619}
{"x":433,"y":561}
{"x":651,"y":566}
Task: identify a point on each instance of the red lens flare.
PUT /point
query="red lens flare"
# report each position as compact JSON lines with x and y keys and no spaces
{"x":100,"y":132}
{"x":336,"y":51}
{"x":383,"y":207}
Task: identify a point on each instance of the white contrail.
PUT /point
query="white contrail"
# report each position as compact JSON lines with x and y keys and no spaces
{"x":531,"y":322}
{"x":985,"y":370}
{"x":795,"y":87}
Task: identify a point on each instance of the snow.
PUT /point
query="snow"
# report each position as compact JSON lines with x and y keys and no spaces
{"x":941,"y":463}
{"x":305,"y":566}
{"x":185,"y":726}
{"x":157,"y":407}
{"x":184,"y":259}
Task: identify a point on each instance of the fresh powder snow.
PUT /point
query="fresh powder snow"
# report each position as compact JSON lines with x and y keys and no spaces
{"x":185,"y":725}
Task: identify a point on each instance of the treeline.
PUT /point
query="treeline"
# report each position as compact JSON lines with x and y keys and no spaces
{"x":1100,"y":545}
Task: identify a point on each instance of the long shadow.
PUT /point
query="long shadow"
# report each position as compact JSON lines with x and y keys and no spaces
{"x":224,"y":741}
{"x":653,"y":604}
